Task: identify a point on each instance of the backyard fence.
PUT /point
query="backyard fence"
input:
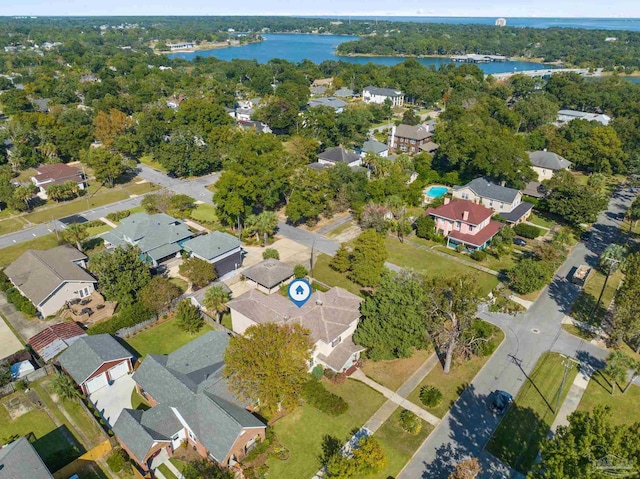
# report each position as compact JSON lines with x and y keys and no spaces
{"x":130,"y":331}
{"x":32,"y":376}
{"x":215,"y":324}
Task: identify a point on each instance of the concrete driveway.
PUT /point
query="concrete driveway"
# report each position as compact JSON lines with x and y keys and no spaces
{"x":9,"y":343}
{"x":111,"y":400}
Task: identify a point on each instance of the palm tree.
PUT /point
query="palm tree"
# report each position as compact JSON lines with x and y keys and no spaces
{"x":24,"y":193}
{"x":617,"y":368}
{"x":611,"y":259}
{"x":266,"y":224}
{"x":63,"y":386}
{"x":216,"y":300}
{"x":75,"y":233}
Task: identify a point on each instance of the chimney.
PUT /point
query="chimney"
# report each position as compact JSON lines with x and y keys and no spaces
{"x":465,"y":216}
{"x":392,"y":141}
{"x":318,"y":302}
{"x":446,"y":200}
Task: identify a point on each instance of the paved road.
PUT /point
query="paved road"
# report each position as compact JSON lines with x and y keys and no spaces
{"x":468,"y":426}
{"x":194,"y":188}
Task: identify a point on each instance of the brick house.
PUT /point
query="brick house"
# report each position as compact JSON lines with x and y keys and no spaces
{"x":408,"y":138}
{"x":191,"y":403}
{"x":466,"y":223}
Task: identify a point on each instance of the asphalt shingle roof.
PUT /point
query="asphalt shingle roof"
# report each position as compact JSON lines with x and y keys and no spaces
{"x":331,"y":102}
{"x":269,"y":273}
{"x":338,"y":155}
{"x":487,"y":189}
{"x":413,"y":132}
{"x":212,"y":245}
{"x":383,"y":91}
{"x":549,"y":160}
{"x":374,"y":146}
{"x":39,"y":273}
{"x":88,"y":353}
{"x":131,"y":431}
{"x":19,"y":460}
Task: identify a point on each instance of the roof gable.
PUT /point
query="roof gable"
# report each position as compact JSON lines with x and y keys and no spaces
{"x":549,"y":160}
{"x":212,"y":245}
{"x":269,"y":273}
{"x":455,"y":210}
{"x":485,"y":188}
{"x":88,"y":353}
{"x":20,"y":460}
{"x":339,"y":155}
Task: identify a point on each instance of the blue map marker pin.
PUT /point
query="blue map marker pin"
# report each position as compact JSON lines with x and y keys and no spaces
{"x":299,"y":292}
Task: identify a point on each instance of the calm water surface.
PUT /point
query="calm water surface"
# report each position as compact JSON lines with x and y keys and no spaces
{"x":320,"y":48}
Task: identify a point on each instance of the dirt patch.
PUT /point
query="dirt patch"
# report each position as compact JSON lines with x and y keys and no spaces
{"x":17,"y":407}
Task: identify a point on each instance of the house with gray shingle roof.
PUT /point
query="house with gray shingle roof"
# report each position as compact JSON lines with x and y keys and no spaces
{"x":372,"y":94}
{"x":51,"y":278}
{"x":191,"y":403}
{"x":507,"y":202}
{"x":331,"y":317}
{"x":96,"y":361}
{"x":338,"y":154}
{"x":332,"y":102}
{"x":159,"y":237}
{"x":371,"y":145}
{"x":546,"y":163}
{"x":268,"y":275}
{"x":222,"y":250}
{"x":344,"y":93}
{"x":20,"y":460}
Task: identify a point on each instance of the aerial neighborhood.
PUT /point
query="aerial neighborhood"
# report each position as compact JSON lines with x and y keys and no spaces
{"x":286,"y":269}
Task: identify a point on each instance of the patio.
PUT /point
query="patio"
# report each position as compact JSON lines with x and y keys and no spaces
{"x":90,"y":310}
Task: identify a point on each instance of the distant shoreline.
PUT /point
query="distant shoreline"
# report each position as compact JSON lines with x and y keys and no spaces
{"x":205,"y":47}
{"x":403,"y":55}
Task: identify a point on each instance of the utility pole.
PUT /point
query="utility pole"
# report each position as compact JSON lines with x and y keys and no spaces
{"x":567,"y":363}
{"x":604,"y":286}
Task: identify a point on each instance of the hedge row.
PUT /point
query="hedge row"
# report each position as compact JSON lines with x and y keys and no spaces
{"x":15,"y":297}
{"x":127,"y":317}
{"x":528,"y":231}
{"x":317,"y":396}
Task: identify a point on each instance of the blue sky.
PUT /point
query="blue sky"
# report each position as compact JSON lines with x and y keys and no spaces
{"x":382,"y":8}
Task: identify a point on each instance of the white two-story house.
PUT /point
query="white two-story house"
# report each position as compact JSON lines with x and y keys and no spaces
{"x":372,"y":94}
{"x":332,"y":318}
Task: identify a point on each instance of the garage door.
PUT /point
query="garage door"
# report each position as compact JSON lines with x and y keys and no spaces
{"x":96,"y":383}
{"x":118,"y":371}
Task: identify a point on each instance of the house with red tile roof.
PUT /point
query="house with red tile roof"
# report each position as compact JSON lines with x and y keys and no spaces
{"x":466,"y":223}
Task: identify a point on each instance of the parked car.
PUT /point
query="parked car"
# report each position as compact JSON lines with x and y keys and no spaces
{"x":519,"y":242}
{"x":500,"y":402}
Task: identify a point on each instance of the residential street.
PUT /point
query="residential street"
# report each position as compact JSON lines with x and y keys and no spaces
{"x":468,"y":426}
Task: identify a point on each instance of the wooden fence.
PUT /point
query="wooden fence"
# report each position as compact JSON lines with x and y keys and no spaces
{"x":83,"y":461}
{"x":32,"y":376}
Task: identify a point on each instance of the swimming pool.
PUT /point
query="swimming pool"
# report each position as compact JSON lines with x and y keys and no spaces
{"x":436,"y":191}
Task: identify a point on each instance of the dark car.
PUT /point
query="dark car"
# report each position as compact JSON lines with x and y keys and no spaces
{"x":500,"y":401}
{"x":519,"y":242}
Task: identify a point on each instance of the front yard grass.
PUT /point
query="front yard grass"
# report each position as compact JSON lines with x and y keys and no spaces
{"x":517,"y":439}
{"x":325,"y":274}
{"x":586,"y":301}
{"x":451,"y":385}
{"x":163,"y":338}
{"x":302,"y":430}
{"x":11,"y":253}
{"x":502,"y":264}
{"x":206,"y":214}
{"x":541,"y":220}
{"x":149,"y":161}
{"x":166,"y":472}
{"x":434,"y":265}
{"x":399,"y":446}
{"x":180,"y":283}
{"x":625,"y":408}
{"x":394,"y":373}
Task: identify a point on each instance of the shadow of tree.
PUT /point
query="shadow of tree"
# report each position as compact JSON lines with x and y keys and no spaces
{"x":564,"y":293}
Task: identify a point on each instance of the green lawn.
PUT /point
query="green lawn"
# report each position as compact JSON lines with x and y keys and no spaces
{"x":517,"y":439}
{"x":504,"y":263}
{"x":99,"y":229}
{"x":433,"y":265}
{"x":226,"y":321}
{"x":163,"y":338}
{"x":9,"y":225}
{"x":303,"y":429}
{"x":394,"y":373}
{"x":582,"y":308}
{"x":576,"y":331}
{"x":206,"y":214}
{"x":625,"y":408}
{"x":138,"y":402}
{"x":166,"y":472}
{"x":323,"y":273}
{"x":180,"y":283}
{"x":11,"y":253}
{"x":399,"y":446}
{"x":451,"y":385}
{"x":149,"y":161}
{"x":57,"y":446}
{"x":541,"y":220}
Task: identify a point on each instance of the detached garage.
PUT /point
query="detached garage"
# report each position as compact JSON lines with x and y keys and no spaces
{"x":96,"y":361}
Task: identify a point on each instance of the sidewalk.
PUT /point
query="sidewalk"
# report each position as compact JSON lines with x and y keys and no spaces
{"x":573,"y":398}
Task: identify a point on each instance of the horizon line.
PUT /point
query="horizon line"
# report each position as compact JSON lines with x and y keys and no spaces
{"x":316,"y":15}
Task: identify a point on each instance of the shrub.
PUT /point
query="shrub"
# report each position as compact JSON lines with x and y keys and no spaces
{"x":410,"y":422}
{"x":118,"y":215}
{"x":270,"y":253}
{"x":530,"y":275}
{"x":119,"y":461}
{"x":316,"y":372}
{"x":128,"y":316}
{"x":479,"y":255}
{"x":502,"y":304}
{"x":430,"y":396}
{"x":317,"y":396}
{"x":299,"y":271}
{"x":527,"y":231}
{"x":20,"y":302}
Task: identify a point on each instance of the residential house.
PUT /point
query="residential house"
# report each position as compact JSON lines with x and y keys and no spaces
{"x":372,"y":94}
{"x":90,"y":79}
{"x":565,"y":116}
{"x":333,"y":156}
{"x":50,"y":342}
{"x":268,"y":275}
{"x":318,"y":90}
{"x":326,"y":82}
{"x":332,"y":102}
{"x":371,"y":145}
{"x":344,"y":93}
{"x":41,"y":105}
{"x":331,"y":317}
{"x":19,"y":460}
{"x":507,"y":202}
{"x":57,"y":174}
{"x":466,"y":223}
{"x":546,"y":163}
{"x":159,"y":237}
{"x":409,"y":138}
{"x":257,"y":126}
{"x":51,"y":278}
{"x":429,"y":147}
{"x":197,"y":297}
{"x":173,"y":102}
{"x":220,"y":249}
{"x":191,"y":403}
{"x":246,"y":109}
{"x":94,"y":362}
